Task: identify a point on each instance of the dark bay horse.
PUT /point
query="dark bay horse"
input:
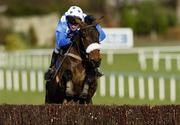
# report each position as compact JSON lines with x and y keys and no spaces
{"x":76,"y":72}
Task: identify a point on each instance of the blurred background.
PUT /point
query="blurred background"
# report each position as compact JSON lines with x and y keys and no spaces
{"x":144,"y":72}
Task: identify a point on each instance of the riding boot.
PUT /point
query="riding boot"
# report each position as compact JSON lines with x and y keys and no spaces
{"x":98,"y":73}
{"x":49,"y":75}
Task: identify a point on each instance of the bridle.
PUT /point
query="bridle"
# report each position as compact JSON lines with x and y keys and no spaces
{"x":84,"y":51}
{"x":91,"y":47}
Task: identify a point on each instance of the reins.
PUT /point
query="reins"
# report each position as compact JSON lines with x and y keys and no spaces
{"x":65,"y":55}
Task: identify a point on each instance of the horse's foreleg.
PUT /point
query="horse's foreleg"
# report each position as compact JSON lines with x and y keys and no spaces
{"x":88,"y":80}
{"x":69,"y":88}
{"x":69,"y":85}
{"x":85,"y":89}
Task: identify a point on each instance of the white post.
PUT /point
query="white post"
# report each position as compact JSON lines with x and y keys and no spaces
{"x":24,"y":81}
{"x":32,"y":81}
{"x":8,"y":80}
{"x":17,"y":60}
{"x":11,"y":60}
{"x":141,"y":87}
{"x":178,"y":62}
{"x":1,"y":59}
{"x":161,"y":88}
{"x":151,"y":87}
{"x":40,"y":61}
{"x":35,"y":61}
{"x":103,"y":86}
{"x":22,"y":60}
{"x":121,"y":85}
{"x":131,"y":86}
{"x":156,"y":60}
{"x":173,"y":89}
{"x":28,"y":61}
{"x":16,"y":80}
{"x":142,"y":60}
{"x":112,"y":85}
{"x":46,"y":62}
{"x":110,"y":57}
{"x":2,"y":79}
{"x":40,"y":81}
{"x":168,"y":62}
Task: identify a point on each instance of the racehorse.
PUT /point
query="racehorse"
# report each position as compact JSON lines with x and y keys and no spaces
{"x":76,"y":71}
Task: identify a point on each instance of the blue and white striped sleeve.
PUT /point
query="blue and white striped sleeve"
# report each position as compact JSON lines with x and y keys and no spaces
{"x":61,"y":36}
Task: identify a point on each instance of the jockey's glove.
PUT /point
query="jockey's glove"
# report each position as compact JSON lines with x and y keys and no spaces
{"x":72,"y":36}
{"x":89,"y":19}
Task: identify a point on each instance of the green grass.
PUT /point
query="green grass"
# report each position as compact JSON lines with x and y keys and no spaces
{"x":121,"y":63}
{"x":21,"y":97}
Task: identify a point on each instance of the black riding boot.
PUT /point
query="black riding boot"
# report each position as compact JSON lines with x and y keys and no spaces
{"x":50,"y":72}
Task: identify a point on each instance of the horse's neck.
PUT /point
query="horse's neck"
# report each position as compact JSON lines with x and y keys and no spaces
{"x":74,"y":50}
{"x":78,"y":47}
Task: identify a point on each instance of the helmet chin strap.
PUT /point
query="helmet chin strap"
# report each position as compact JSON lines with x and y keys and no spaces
{"x":73,"y":29}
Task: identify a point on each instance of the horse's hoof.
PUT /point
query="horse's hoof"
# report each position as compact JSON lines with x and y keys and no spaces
{"x":69,"y":94}
{"x":83,"y":96}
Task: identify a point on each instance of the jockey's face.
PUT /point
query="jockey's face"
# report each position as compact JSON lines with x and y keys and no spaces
{"x":73,"y":27}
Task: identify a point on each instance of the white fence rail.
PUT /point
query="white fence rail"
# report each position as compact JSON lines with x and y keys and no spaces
{"x":22,"y":80}
{"x":36,"y":59}
{"x":140,"y":86}
{"x":156,"y":56}
{"x":114,"y":84}
{"x":40,"y":58}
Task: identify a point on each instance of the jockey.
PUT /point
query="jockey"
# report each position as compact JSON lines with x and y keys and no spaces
{"x":64,"y":32}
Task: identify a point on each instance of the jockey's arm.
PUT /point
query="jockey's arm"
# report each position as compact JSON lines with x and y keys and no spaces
{"x":102,"y":35}
{"x":61,"y":37}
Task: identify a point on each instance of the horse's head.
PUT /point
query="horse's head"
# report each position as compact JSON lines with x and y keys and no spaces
{"x":90,"y":42}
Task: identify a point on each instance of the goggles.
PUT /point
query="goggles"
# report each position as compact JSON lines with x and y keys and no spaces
{"x":72,"y":20}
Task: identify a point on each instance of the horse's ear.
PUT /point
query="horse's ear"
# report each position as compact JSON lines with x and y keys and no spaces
{"x":97,"y":21}
{"x":89,"y":19}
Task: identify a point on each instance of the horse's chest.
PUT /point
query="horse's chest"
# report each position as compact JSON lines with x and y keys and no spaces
{"x":80,"y":74}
